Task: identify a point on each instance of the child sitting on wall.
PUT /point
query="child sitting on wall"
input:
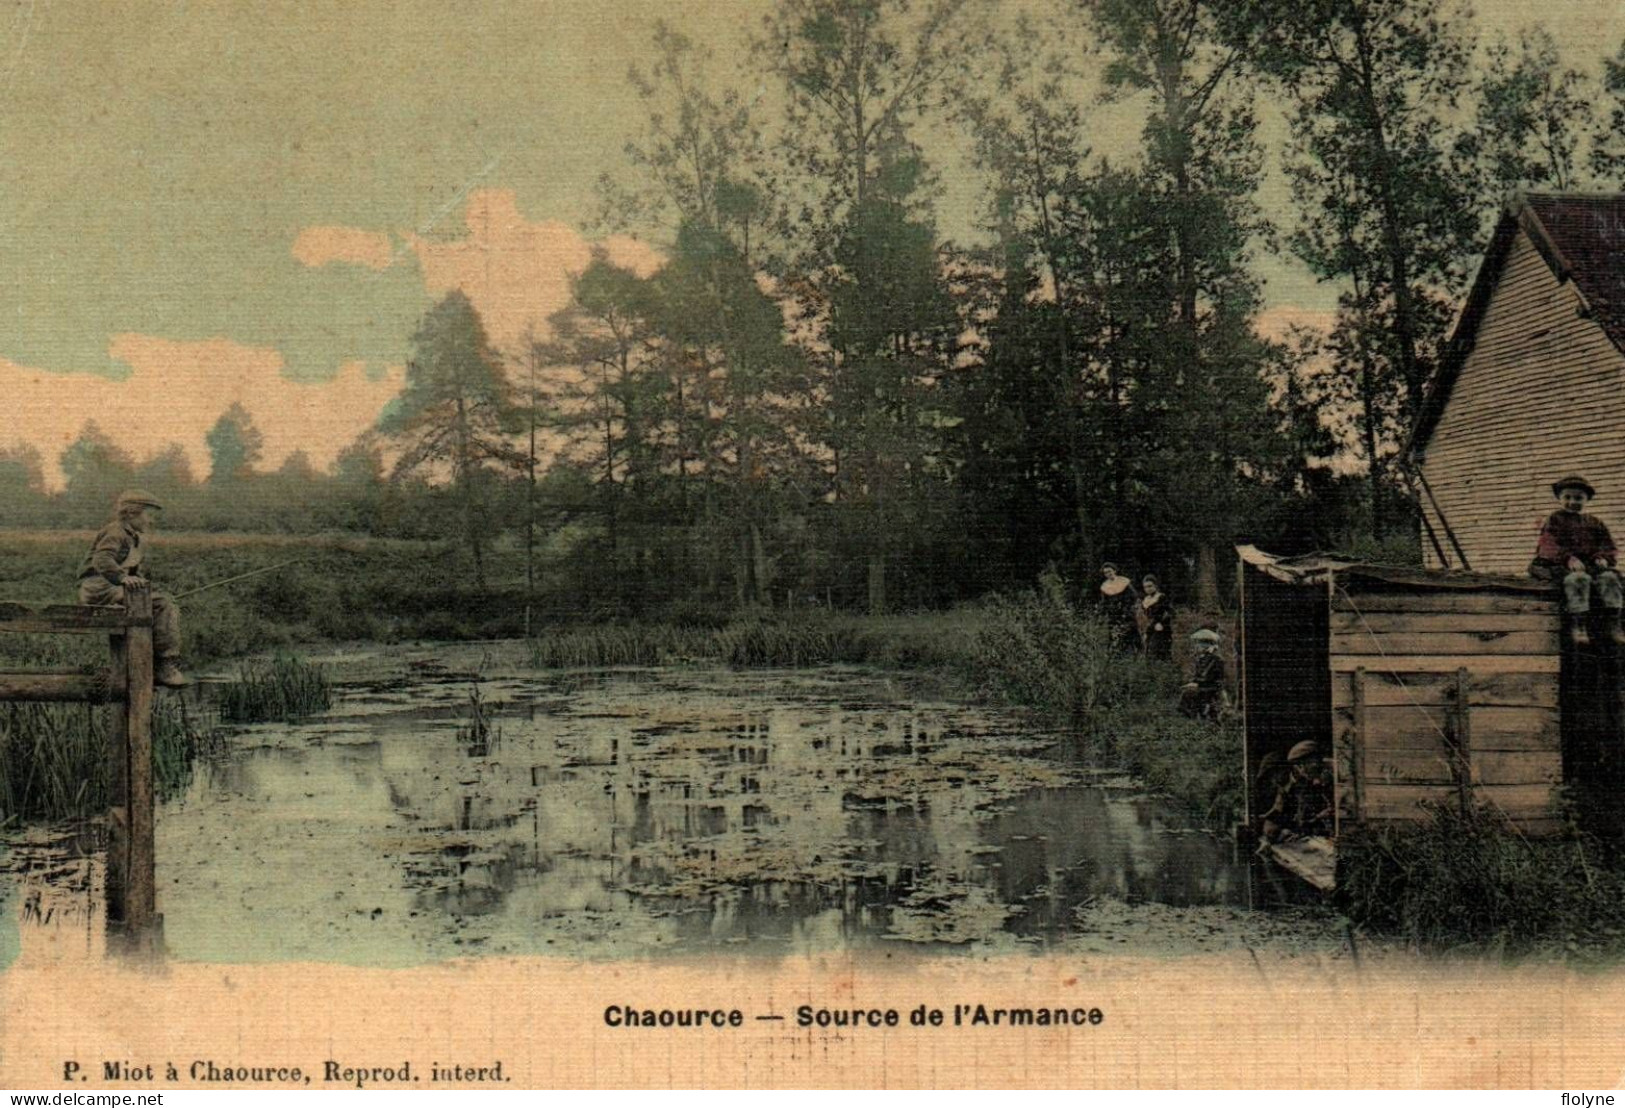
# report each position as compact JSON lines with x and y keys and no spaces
{"x":1577,"y":549}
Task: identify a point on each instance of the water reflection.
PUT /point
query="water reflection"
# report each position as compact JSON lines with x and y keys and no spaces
{"x":658,"y":810}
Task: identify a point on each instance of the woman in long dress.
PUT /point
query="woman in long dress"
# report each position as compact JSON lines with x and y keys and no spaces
{"x":1118,"y":601}
{"x":1156,"y":621}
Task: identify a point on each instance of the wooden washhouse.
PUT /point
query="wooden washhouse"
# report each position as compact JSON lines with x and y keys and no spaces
{"x":1427,"y":687}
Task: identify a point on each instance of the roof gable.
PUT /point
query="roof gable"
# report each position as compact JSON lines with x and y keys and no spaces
{"x":1582,"y":240}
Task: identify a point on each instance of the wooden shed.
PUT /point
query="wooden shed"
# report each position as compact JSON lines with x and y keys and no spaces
{"x":1530,"y":387}
{"x":1426,"y":686}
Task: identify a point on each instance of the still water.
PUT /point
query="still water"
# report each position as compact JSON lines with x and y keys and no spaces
{"x":634,"y":812}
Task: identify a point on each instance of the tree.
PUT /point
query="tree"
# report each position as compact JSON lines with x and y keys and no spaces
{"x":1608,"y":129}
{"x":858,"y":76}
{"x":22,"y":484}
{"x":1204,"y":400}
{"x":1531,"y":112}
{"x":235,"y":444}
{"x":95,"y":470}
{"x":609,"y":410}
{"x":453,"y":413}
{"x":1386,"y":209}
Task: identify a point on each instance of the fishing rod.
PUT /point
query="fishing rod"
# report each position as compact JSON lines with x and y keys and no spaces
{"x":242,"y":576}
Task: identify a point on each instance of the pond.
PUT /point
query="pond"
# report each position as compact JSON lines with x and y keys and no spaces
{"x":433,"y":815}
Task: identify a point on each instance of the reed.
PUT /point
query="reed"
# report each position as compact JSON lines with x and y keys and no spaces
{"x":284,"y":688}
{"x":477,"y":735}
{"x":55,"y":760}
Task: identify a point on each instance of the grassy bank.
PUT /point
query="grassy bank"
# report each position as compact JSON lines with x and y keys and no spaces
{"x":1470,"y":881}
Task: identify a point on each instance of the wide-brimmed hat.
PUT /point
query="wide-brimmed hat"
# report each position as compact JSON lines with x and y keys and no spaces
{"x":1574,"y":481}
{"x":131,"y":498}
{"x":1205,"y":635}
{"x":1306,"y":749}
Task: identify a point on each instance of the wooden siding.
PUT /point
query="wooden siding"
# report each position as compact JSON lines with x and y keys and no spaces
{"x":1400,"y":663}
{"x":1542,"y":394}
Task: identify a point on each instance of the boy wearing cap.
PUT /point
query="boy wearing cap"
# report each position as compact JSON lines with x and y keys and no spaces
{"x":115,"y":561}
{"x":1576,"y":548}
{"x":1303,"y":802}
{"x":1203,"y":694}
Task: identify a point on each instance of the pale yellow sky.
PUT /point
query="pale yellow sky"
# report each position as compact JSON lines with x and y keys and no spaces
{"x":252,"y":200}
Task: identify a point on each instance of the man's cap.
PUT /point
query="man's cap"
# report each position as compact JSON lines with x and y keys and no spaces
{"x":138,"y":497}
{"x":1574,"y":481}
{"x":1306,"y":749}
{"x":1205,"y":635}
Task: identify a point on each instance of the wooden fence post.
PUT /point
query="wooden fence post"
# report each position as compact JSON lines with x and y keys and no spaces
{"x":118,"y":757}
{"x":140,"y":891}
{"x":1463,"y":741}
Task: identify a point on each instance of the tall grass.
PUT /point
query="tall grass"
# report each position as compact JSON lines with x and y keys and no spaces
{"x":283,"y":688}
{"x":55,"y":760}
{"x":1472,"y":880}
{"x":807,"y":639}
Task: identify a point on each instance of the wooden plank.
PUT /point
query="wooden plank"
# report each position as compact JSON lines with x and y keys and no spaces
{"x":1432,"y":623}
{"x":63,"y":618}
{"x":1359,"y":741}
{"x":1436,"y":767}
{"x":1446,"y":663}
{"x":1415,"y":728}
{"x":1532,"y":825}
{"x":91,"y":688}
{"x":1447,"y":642}
{"x":1461,"y":742}
{"x":1405,"y":801}
{"x":1485,"y":690}
{"x":140,"y":894}
{"x":1462,"y":603}
{"x":1312,"y":859}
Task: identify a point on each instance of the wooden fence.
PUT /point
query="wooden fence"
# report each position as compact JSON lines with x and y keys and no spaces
{"x":126,"y":685}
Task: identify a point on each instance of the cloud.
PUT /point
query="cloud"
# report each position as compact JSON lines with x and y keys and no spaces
{"x":319,"y":246}
{"x":515,"y":271}
{"x":176,"y":391}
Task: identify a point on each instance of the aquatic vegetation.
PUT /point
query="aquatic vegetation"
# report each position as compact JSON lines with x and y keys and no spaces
{"x":55,"y":762}
{"x":284,"y":688}
{"x":478,"y":736}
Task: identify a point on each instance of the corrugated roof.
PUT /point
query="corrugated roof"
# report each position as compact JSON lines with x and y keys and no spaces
{"x":1582,"y":239}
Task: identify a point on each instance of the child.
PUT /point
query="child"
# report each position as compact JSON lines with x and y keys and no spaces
{"x":1203,"y":694}
{"x":1575,"y":547}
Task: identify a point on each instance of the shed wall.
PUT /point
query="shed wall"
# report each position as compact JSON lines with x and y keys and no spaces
{"x":1401,"y":660}
{"x":1541,"y":394}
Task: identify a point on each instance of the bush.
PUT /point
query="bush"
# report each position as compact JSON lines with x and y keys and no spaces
{"x":1036,"y":649}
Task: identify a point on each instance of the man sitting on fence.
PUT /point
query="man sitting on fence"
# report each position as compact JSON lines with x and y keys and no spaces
{"x":114,"y":562}
{"x":1577,"y":549}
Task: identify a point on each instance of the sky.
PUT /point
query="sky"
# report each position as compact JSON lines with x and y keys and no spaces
{"x":209,"y":201}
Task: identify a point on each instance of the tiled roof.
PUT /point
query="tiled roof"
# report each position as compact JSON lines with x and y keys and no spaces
{"x":1587,"y":233}
{"x":1582,"y":239}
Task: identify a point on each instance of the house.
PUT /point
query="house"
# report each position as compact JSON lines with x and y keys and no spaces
{"x":1531,"y":386}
